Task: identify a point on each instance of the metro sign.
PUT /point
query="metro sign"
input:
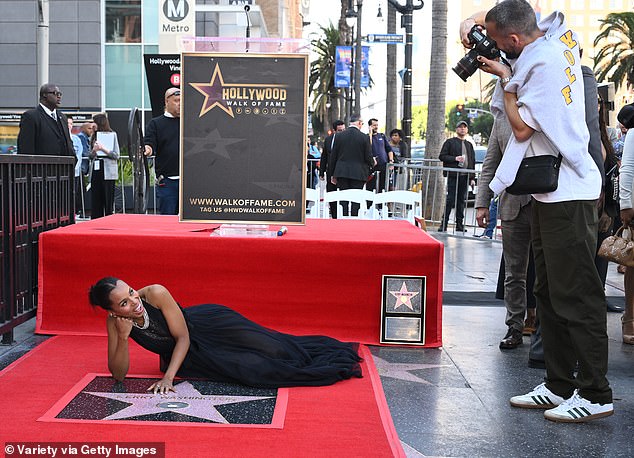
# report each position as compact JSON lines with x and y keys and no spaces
{"x":176,"y":19}
{"x":175,"y":10}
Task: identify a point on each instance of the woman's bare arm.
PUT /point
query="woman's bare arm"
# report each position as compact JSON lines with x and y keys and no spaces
{"x":160,"y":297}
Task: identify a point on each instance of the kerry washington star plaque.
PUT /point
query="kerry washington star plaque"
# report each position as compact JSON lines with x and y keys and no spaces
{"x":403,"y":310}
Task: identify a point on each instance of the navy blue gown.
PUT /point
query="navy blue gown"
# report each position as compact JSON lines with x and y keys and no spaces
{"x":227,"y":347}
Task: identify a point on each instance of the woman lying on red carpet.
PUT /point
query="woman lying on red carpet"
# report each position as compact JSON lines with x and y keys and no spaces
{"x":212,"y":341}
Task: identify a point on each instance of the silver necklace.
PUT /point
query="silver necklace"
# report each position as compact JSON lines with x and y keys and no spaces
{"x":146,"y":320}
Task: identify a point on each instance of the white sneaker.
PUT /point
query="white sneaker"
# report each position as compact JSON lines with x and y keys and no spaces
{"x":577,"y":410}
{"x":540,"y":398}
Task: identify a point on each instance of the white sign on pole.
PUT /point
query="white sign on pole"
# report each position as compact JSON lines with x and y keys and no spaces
{"x":177,"y":19}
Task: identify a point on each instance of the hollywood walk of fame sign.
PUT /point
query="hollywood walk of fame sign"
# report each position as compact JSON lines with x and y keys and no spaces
{"x":403,"y":310}
{"x":101,"y":399}
{"x":243,"y":137}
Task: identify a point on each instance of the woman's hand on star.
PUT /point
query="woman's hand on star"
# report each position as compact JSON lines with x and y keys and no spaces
{"x":162,"y":386}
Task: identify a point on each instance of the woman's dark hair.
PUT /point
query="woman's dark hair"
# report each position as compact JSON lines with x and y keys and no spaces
{"x":396,"y":131}
{"x":103,"y":125}
{"x":626,"y":116}
{"x":99,"y":294}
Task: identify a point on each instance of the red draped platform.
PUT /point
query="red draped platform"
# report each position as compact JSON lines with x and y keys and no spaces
{"x":321,"y":278}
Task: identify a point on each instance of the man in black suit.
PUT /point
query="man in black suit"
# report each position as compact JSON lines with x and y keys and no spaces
{"x":44,"y":130}
{"x":351,"y":160}
{"x":337,"y":127}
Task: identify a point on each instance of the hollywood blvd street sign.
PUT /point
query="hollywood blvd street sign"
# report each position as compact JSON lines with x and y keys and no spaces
{"x":388,"y":38}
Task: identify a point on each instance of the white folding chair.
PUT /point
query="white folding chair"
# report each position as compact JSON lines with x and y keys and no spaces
{"x":349,"y":196}
{"x":313,"y":203}
{"x":401,"y":205}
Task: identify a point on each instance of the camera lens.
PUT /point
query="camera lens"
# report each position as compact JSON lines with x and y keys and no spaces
{"x":467,"y":66}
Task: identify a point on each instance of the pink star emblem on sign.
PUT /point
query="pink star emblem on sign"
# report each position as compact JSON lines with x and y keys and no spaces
{"x":213,"y":93}
{"x":404,"y":297}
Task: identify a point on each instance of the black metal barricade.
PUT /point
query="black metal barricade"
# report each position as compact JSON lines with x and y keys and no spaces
{"x":37,"y":196}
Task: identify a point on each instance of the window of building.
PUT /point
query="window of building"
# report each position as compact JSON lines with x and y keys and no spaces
{"x":615,"y":5}
{"x":123,"y":21}
{"x":577,"y":5}
{"x":558,"y":5}
{"x":124,"y":77}
{"x":597,"y":4}
{"x":150,"y":21}
{"x":576,"y":20}
{"x":146,"y":92}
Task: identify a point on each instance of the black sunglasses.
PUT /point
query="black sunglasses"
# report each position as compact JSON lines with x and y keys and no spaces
{"x":174,"y":93}
{"x":57,"y":93}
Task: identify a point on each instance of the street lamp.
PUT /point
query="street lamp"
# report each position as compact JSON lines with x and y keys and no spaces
{"x":407,"y":11}
{"x":357,"y":60}
{"x":351,"y":16}
{"x":351,"y":20}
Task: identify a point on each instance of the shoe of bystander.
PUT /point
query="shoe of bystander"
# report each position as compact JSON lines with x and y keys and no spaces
{"x":614,"y":308}
{"x":540,"y":398}
{"x":578,"y":410}
{"x":512,"y":339}
{"x":530,"y":323}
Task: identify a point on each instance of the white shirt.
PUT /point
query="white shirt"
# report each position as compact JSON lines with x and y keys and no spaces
{"x":52,"y":114}
{"x":626,"y":172}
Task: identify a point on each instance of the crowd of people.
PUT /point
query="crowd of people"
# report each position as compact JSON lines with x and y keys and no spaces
{"x":46,"y":130}
{"x":352,"y":159}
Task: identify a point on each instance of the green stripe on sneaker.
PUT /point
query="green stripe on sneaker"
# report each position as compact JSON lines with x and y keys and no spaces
{"x":579,"y":412}
{"x":541,"y":400}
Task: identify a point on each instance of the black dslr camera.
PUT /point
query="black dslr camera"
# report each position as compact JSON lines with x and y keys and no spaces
{"x":483,"y":46}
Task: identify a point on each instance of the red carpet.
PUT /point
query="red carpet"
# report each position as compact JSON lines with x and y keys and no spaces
{"x":321,"y":278}
{"x":348,"y":419}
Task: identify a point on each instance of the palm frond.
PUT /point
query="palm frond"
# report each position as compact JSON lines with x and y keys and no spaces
{"x":615,"y":58}
{"x":321,"y":81}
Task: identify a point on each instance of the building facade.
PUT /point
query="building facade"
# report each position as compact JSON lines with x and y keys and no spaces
{"x":96,"y":47}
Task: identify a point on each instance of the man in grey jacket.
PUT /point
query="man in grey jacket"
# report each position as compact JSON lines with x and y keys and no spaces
{"x":515,"y":213}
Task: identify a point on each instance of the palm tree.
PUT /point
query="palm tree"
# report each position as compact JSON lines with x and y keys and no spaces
{"x":327,"y":103}
{"x":436,"y":107}
{"x":615,"y":60}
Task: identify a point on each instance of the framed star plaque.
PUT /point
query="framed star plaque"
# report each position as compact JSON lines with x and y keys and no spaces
{"x":403,"y":309}
{"x":243,"y":138}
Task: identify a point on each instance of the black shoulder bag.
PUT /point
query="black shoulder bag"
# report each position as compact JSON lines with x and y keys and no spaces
{"x":536,"y":175}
